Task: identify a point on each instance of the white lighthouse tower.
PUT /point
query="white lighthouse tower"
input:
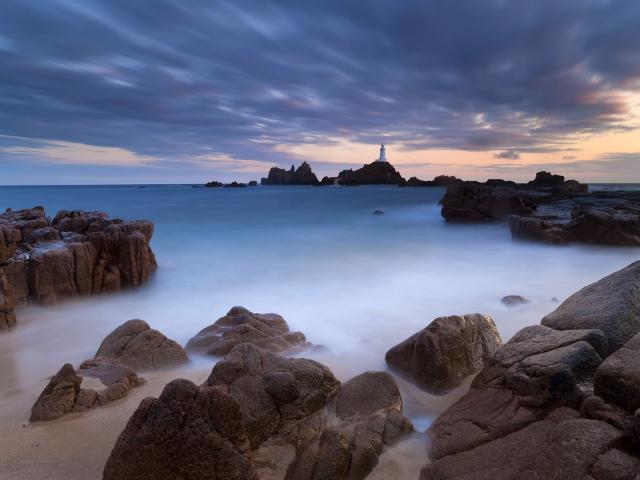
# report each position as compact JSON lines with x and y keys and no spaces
{"x":383,"y":156}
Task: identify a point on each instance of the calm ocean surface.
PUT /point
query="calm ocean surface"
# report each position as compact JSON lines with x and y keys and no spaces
{"x":352,"y":281}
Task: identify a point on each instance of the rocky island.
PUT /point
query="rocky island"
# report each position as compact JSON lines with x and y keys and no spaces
{"x":75,"y":253}
{"x":303,"y":175}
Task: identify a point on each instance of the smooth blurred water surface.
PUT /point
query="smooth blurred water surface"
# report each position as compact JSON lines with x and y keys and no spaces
{"x":352,"y":281}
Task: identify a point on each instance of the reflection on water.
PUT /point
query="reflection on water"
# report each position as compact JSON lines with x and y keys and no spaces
{"x":352,"y":281}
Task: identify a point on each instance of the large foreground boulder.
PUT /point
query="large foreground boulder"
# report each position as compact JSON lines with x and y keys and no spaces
{"x":138,"y":346}
{"x":273,"y":391}
{"x":268,"y":331}
{"x":189,"y":432}
{"x":611,"y":305}
{"x":538,"y":370}
{"x":442,"y":355}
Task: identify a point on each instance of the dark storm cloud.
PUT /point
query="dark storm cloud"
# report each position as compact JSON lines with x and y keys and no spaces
{"x":174,"y":79}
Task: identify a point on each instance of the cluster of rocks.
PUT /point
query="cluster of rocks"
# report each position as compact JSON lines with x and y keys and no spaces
{"x":132,"y":347}
{"x":558,"y":400}
{"x":260,"y":415}
{"x":548,"y":209}
{"x":76,"y":253}
{"x":303,"y":175}
{"x":234,"y":184}
{"x":375,"y":173}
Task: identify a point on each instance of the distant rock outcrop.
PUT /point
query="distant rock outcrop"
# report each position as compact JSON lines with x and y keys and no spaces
{"x":375,"y":173}
{"x":76,"y":253}
{"x":439,"y":181}
{"x":548,"y":209}
{"x":303,"y":175}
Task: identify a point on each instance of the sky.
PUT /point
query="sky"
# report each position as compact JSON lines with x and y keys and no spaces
{"x":187,"y":91}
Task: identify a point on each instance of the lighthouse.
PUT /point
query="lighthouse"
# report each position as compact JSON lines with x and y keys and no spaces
{"x":383,"y":156}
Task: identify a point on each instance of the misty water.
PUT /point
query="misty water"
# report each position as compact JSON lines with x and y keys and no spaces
{"x":354,"y":282}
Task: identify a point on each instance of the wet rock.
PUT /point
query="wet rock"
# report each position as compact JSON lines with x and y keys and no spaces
{"x":303,"y":175}
{"x":477,"y":202}
{"x":7,"y":303}
{"x":617,"y":380}
{"x":86,"y":400}
{"x":527,"y":228}
{"x":615,"y":465}
{"x":561,"y":446}
{"x":272,"y":391}
{"x":9,"y":239}
{"x":188,"y":432}
{"x":611,"y":305}
{"x":439,"y":181}
{"x":441,"y":356}
{"x":606,"y":226}
{"x":59,"y":396}
{"x":140,"y":347}
{"x":268,"y":331}
{"x":514,"y":300}
{"x":343,"y":440}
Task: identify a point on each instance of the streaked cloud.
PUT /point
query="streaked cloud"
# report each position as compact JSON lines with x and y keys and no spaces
{"x":70,"y":153}
{"x":166,"y":83}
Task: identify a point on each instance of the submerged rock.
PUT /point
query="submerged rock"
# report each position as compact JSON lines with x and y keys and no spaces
{"x":266,"y":330}
{"x":441,"y":356}
{"x":514,"y":300}
{"x":138,"y":346}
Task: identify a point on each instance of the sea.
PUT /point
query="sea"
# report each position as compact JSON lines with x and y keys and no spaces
{"x":353,"y":282}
